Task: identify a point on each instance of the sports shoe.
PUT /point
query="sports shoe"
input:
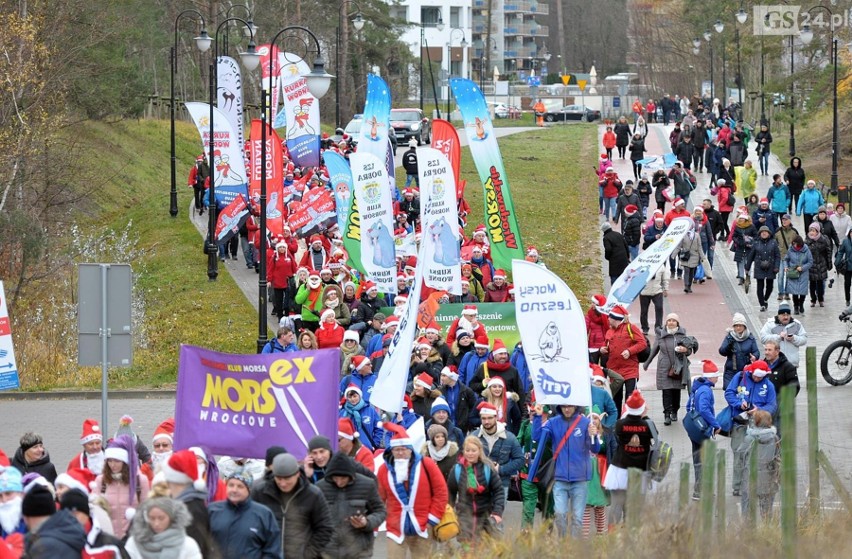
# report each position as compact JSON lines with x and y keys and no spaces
{"x":762,"y":308}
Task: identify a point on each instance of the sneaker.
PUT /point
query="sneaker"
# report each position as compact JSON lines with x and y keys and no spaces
{"x":762,"y":308}
{"x":813,"y":304}
{"x":696,"y":496}
{"x":821,"y":304}
{"x":739,"y":281}
{"x":780,"y":297}
{"x":673,"y":416}
{"x":786,"y":297}
{"x":736,"y":492}
{"x":667,"y":420}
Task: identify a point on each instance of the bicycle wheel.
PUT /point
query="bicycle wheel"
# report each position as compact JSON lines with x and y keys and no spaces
{"x":836,"y":363}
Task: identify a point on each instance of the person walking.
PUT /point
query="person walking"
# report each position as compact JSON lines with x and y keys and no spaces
{"x":616,"y":251}
{"x":809,"y":203}
{"x":622,"y":136}
{"x":623,"y":344}
{"x":672,"y":349}
{"x":843,"y":263}
{"x":797,"y":266}
{"x":690,"y":255}
{"x":766,"y":257}
{"x":762,"y":438}
{"x":784,"y":238}
{"x":739,"y":347}
{"x":654,"y":292}
{"x":794,"y":176}
{"x":637,"y":153}
{"x":789,"y":333}
{"x":242,"y":528}
{"x":701,"y":407}
{"x":820,"y":247}
{"x":159,"y":530}
{"x":476,"y":494}
{"x":409,"y":163}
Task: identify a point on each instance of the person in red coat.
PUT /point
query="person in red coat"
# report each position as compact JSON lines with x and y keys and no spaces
{"x":679,"y":210}
{"x":498,"y":291}
{"x":624,"y":342}
{"x":280,"y":267}
{"x":415,"y":494}
{"x":467,"y":322}
{"x":317,"y":256}
{"x":597,"y":325}
{"x":92,"y":458}
{"x":291,"y":240}
{"x":330,"y":333}
{"x":611,"y":187}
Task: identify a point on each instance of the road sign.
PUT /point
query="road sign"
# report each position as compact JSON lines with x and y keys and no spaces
{"x":104,"y":292}
{"x":8,"y":367}
{"x":616,"y":102}
{"x":566,"y":79}
{"x":582,"y":84}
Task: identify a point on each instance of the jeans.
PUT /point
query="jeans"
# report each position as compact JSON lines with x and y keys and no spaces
{"x":782,"y":282}
{"x":764,"y":161}
{"x":644,"y":304}
{"x":600,"y":197}
{"x":696,"y":465}
{"x":410,"y":178}
{"x":576,"y":492}
{"x":248,"y":252}
{"x":634,"y":252}
{"x":698,"y":159}
{"x":740,"y":450}
{"x":741,"y":271}
{"x":609,"y":206}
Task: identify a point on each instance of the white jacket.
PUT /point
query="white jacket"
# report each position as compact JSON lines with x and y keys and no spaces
{"x":790,"y":348}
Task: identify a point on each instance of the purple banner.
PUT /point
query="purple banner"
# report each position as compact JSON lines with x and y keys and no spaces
{"x":304,"y":150}
{"x":239,"y":405}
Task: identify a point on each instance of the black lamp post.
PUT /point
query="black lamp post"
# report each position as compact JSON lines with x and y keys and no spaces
{"x":807,"y":35}
{"x":709,"y":38}
{"x":250,"y":30}
{"x":720,"y":27}
{"x":203,"y":43}
{"x":482,"y":68}
{"x":792,"y":103}
{"x":358,"y":24}
{"x":250,"y":60}
{"x":742,"y":17}
{"x":450,"y":63}
{"x":318,"y":83}
{"x":440,"y":27}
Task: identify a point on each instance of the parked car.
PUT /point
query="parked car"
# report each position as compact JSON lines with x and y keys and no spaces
{"x":353,"y":129}
{"x":572,"y":112}
{"x":411,"y":123}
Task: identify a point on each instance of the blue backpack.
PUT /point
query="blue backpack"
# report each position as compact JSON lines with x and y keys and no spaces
{"x":457,"y":470}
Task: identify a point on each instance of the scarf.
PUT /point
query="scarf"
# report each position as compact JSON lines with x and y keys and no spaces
{"x":814,"y":235}
{"x":740,"y":337}
{"x":168,"y":544}
{"x":332,"y":303}
{"x":355,"y":412}
{"x":408,"y":528}
{"x":438,"y":454}
{"x":473,"y":485}
{"x":159,"y":458}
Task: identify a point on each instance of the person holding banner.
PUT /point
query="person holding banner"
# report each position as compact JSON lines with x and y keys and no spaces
{"x":623,"y":344}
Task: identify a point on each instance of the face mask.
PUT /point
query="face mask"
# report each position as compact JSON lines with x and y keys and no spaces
{"x":10,"y":514}
{"x":400,"y":466}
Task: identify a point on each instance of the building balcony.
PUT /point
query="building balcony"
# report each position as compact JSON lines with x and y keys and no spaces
{"x":522,"y":7}
{"x":525,"y":30}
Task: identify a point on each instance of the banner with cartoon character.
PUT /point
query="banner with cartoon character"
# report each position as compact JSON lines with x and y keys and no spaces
{"x":230,"y":219}
{"x":229,"y":97}
{"x":314,"y":213}
{"x":8,"y":366}
{"x":269,"y":81}
{"x":340,"y":178}
{"x":239,"y":405}
{"x":389,"y":389}
{"x":439,"y":221}
{"x":274,"y":169}
{"x":637,"y":274}
{"x":373,"y":137}
{"x":552,"y":325}
{"x":229,"y":169}
{"x":446,"y":140}
{"x":378,"y":254}
{"x":302,"y":112}
{"x":501,"y":224}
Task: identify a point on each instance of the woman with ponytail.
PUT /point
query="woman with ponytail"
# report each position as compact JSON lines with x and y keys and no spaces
{"x":476,"y":493}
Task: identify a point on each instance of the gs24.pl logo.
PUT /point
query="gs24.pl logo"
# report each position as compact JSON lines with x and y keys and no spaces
{"x":779,"y":19}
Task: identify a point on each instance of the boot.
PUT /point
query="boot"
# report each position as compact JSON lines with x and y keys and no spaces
{"x":667,"y":419}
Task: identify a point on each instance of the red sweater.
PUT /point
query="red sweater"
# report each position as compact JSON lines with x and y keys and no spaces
{"x":428,"y":498}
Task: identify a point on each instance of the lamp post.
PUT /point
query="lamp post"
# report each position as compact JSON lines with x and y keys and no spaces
{"x":203,"y":44}
{"x":720,"y":27}
{"x":440,"y":27}
{"x":450,"y":63}
{"x":250,"y":59}
{"x":318,"y":82}
{"x":742,"y":17}
{"x":250,"y":30}
{"x":358,"y":23}
{"x":807,"y":35}
{"x":709,"y":38}
{"x":791,"y":103}
{"x":493,"y":42}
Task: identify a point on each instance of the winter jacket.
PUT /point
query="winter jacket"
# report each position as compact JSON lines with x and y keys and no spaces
{"x":473,"y":508}
{"x":43,"y":466}
{"x":685,"y":151}
{"x":611,"y":185}
{"x":763,"y":139}
{"x":409,"y":161}
{"x":359,"y":496}
{"x":506,"y":371}
{"x":669,"y":359}
{"x":652,"y":234}
{"x":101,"y":545}
{"x":692,"y":245}
{"x":821,"y":253}
{"x":462,"y":401}
{"x":714,"y":219}
{"x":274,"y":346}
{"x":765,"y":217}
{"x":674,"y":213}
{"x":247,"y":530}
{"x":615,"y":252}
{"x":644,"y":190}
{"x":768,"y":450}
{"x":629,"y":337}
{"x":809,"y":201}
{"x":454,"y":434}
{"x":506,"y":452}
{"x":706,"y":235}
{"x":119,"y":499}
{"x":433,"y":365}
{"x":702,"y":400}
{"x":366,"y":310}
{"x":755,"y":393}
{"x":683,"y":180}
{"x":633,"y":230}
{"x":447,"y":462}
{"x":370,"y":428}
{"x":843,"y":258}
{"x":766,"y":257}
{"x":738,"y":153}
{"x":427,"y":497}
{"x":738,"y":353}
{"x":742,"y":238}
{"x":597,"y":325}
{"x":842,"y":225}
{"x":519,"y":362}
{"x":329,"y":336}
{"x":657,"y":283}
{"x":307,"y":523}
{"x":629,"y":455}
{"x":784,"y":237}
{"x":798,"y":259}
{"x":790,"y":348}
{"x":622,"y":134}
{"x":572,"y":462}
{"x":609,"y":139}
{"x":602,"y":400}
{"x":779,"y":198}
{"x":310,"y":310}
{"x":422,"y":405}
{"x":794,"y":176}
{"x":828,"y":231}
{"x":364,"y":382}
{"x":637,"y":149}
{"x":199,"y":529}
{"x":280,"y":267}
{"x":660,"y":181}
{"x":783,"y":373}
{"x":60,"y":537}
{"x":623,"y":201}
{"x":470,"y":363}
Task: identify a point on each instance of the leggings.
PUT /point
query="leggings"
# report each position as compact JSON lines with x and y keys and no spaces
{"x":847,"y":282}
{"x":764,"y":290}
{"x":621,"y":151}
{"x":637,"y":169}
{"x":698,"y":159}
{"x":599,"y":514}
{"x":626,"y":390}
{"x":725,"y":228}
{"x":799,"y":301}
{"x":609,"y":153}
{"x":794,"y":201}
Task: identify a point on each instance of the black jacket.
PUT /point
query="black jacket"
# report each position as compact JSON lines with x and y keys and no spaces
{"x":60,"y":537}
{"x":622,"y":134}
{"x":615,"y":252}
{"x":199,"y":528}
{"x":307,"y":523}
{"x":633,"y":230}
{"x":795,"y":177}
{"x":360,"y":496}
{"x":245,"y":531}
{"x":466,"y":401}
{"x":828,"y":231}
{"x":474,"y":508}
{"x":783,"y":373}
{"x":409,"y":161}
{"x":43,"y":466}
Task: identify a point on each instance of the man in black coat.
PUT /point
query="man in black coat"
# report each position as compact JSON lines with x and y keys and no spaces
{"x":461,"y":399}
{"x":615,"y":251}
{"x":409,"y":163}
{"x":355,"y":506}
{"x":714,"y":218}
{"x":51,"y":533}
{"x":781,"y":373}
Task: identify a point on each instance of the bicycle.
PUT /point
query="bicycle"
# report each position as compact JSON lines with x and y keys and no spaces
{"x":836,"y":362}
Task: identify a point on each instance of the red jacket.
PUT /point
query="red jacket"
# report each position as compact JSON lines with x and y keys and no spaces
{"x":619,"y":339}
{"x":451,"y":333}
{"x":428,"y":498}
{"x":597,"y":325}
{"x":308,"y":261}
{"x":364,"y":457}
{"x":611,"y":186}
{"x":496,"y":294}
{"x":674,"y":214}
{"x":329,"y":336}
{"x":609,"y":139}
{"x":280,"y":268}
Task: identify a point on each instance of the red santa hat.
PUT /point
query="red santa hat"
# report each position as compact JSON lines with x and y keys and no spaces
{"x":400,"y":299}
{"x":346,"y":429}
{"x":499,"y":274}
{"x":314,"y":274}
{"x":91,"y":431}
{"x":369,"y":286}
{"x":182,"y":468}
{"x":496,"y":380}
{"x":409,"y":405}
{"x":411,"y":262}
{"x":658,"y":213}
{"x":635,"y":404}
{"x":165,"y":430}
{"x":450,"y":372}
{"x":618,"y":312}
{"x":480,"y":340}
{"x":758,"y":369}
{"x":469,"y":309}
{"x":604,"y":156}
{"x":598,"y":374}
{"x":401,"y":276}
{"x":326,"y":313}
{"x":390,"y":321}
{"x":598,"y":300}
{"x":631,"y":209}
{"x":423,"y":342}
{"x":353,"y":388}
{"x":433,"y":328}
{"x":764,"y":201}
{"x":679,"y":202}
{"x":316,"y":238}
{"x":424,"y":380}
{"x":408,"y":191}
{"x":76,"y":478}
{"x":400,"y":436}
{"x":487,"y":408}
{"x":532,"y":251}
{"x":709,"y":369}
{"x":200,"y":158}
{"x":476,"y":248}
{"x":499,"y":347}
{"x":325,"y":270}
{"x":359,"y":362}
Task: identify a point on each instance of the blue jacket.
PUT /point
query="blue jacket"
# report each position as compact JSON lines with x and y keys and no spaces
{"x":769,"y":216}
{"x":409,"y":418}
{"x":60,"y":537}
{"x":703,"y":401}
{"x":809,"y":201}
{"x":371,"y":430}
{"x":737,"y":353}
{"x":365,"y":383}
{"x":245,"y":530}
{"x":758,"y":394}
{"x":468,"y":366}
{"x":572,"y":463}
{"x":606,"y":404}
{"x":374,"y":345}
{"x":506,"y":453}
{"x":274,"y":346}
{"x":779,"y":198}
{"x":519,"y":362}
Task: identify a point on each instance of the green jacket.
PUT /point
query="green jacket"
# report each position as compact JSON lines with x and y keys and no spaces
{"x":309,"y":314}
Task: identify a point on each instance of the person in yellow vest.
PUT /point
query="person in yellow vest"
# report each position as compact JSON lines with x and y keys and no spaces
{"x":539,"y":109}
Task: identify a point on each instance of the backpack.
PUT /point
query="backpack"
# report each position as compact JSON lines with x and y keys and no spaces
{"x":457,"y":471}
{"x":645,"y":353}
{"x":660,"y":457}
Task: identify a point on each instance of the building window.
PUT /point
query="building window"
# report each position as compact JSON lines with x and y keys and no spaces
{"x":399,"y":13}
{"x":430,"y":15}
{"x":455,"y":17}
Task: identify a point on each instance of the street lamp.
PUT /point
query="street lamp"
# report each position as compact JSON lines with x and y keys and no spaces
{"x":742,"y":17}
{"x":250,"y":59}
{"x":249,"y":31}
{"x":203,"y":44}
{"x":791,"y":102}
{"x":807,"y":35}
{"x":450,"y":62}
{"x":440,"y":27}
{"x":720,"y":27}
{"x":358,"y":23}
{"x":709,"y":38}
{"x":318,"y":82}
